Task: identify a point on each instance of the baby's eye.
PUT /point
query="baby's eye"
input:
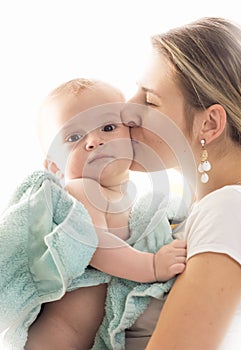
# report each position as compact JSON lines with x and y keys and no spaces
{"x":74,"y":138}
{"x":109,"y":127}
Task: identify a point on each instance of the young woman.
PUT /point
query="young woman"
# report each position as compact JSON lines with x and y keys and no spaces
{"x":195,"y":81}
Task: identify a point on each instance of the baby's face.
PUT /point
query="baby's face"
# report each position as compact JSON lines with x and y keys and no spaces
{"x":90,"y":139}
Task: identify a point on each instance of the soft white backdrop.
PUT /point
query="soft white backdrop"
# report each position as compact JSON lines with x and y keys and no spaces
{"x":45,"y":42}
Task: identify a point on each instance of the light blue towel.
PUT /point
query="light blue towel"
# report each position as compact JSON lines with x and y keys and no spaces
{"x":46,"y":243}
{"x":126,"y":300}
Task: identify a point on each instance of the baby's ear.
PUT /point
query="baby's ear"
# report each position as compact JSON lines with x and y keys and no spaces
{"x":50,"y":166}
{"x":46,"y":164}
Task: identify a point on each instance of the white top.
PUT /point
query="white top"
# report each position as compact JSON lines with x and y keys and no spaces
{"x":214,"y":225}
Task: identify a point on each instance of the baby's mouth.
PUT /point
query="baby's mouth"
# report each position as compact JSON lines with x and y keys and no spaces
{"x":99,"y":157}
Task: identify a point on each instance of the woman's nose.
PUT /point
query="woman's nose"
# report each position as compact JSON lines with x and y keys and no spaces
{"x":132,"y":114}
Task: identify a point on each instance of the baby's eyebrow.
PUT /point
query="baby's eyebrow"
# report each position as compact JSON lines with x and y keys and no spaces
{"x":109,"y":116}
{"x":70,"y":130}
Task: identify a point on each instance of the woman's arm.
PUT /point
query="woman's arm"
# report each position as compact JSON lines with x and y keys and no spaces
{"x":200,"y":305}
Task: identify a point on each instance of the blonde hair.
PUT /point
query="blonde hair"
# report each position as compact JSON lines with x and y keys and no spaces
{"x":74,"y":86}
{"x":206,"y":56}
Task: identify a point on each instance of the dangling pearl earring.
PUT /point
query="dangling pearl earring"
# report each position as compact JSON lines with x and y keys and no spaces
{"x":204,"y":165}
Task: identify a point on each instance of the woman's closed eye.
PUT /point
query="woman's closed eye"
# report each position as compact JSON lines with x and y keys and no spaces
{"x":152,"y":100}
{"x":149,"y":103}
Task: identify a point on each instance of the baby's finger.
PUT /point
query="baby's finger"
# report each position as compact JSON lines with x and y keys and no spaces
{"x":177,"y":243}
{"x":177,"y":268}
{"x":180,"y":259}
{"x":181,"y":252}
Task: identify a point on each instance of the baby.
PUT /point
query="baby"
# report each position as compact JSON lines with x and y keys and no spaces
{"x":87,"y":146}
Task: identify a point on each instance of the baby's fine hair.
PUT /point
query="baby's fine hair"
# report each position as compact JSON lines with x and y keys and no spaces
{"x":74,"y":86}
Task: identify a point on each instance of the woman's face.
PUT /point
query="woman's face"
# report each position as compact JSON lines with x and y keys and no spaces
{"x":157,"y":112}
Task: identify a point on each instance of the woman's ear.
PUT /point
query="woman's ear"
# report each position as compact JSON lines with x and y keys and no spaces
{"x":213,"y":122}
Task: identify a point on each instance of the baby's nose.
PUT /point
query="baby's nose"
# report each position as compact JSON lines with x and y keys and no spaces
{"x":92,"y":144}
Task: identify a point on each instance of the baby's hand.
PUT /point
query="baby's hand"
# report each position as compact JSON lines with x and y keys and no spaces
{"x":170,"y":260}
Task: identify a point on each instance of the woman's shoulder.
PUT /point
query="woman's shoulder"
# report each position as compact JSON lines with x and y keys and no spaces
{"x":220,"y":207}
{"x":214,"y":223}
{"x":223,"y":198}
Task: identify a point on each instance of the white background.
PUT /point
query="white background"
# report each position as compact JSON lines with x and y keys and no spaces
{"x":46,"y":42}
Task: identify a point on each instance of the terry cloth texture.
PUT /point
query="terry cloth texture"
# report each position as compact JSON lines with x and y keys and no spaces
{"x":46,"y":242}
{"x":126,"y":300}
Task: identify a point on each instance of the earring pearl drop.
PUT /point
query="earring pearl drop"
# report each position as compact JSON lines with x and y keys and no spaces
{"x":204,"y":165}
